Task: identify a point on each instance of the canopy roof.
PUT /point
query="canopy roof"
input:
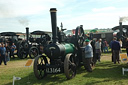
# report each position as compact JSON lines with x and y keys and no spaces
{"x":117,"y":27}
{"x":38,"y":33}
{"x":8,"y":34}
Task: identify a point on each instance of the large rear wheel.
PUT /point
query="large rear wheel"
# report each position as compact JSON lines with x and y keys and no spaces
{"x":69,"y":66}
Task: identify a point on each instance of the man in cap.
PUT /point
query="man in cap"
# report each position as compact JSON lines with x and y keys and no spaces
{"x":87,"y":60}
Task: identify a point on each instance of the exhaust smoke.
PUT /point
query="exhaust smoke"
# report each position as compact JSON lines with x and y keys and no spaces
{"x":123,"y":19}
{"x":23,"y":21}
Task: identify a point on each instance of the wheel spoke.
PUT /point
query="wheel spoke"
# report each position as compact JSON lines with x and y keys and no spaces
{"x":40,"y":73}
{"x":69,"y":69}
{"x":70,"y":63}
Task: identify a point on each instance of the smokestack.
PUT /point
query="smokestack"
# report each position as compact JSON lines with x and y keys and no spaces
{"x":54,"y":24}
{"x":81,"y":26}
{"x":61,"y":26}
{"x":27,"y":33}
{"x":120,"y":29}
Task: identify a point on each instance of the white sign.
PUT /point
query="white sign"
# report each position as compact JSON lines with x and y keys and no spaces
{"x":15,"y":78}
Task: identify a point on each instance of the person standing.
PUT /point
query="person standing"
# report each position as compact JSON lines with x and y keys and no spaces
{"x":105,"y":46}
{"x":2,"y":53}
{"x":87,"y":60}
{"x":7,"y":52}
{"x":102,"y":46}
{"x":13,"y":47}
{"x":98,"y":49}
{"x":116,"y":50}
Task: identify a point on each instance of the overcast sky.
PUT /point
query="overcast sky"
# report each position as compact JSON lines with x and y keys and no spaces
{"x":16,"y":15}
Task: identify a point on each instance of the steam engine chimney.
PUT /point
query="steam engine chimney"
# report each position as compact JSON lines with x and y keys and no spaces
{"x":27,"y":33}
{"x":54,"y":24}
{"x":81,"y":26}
{"x":120,"y":29}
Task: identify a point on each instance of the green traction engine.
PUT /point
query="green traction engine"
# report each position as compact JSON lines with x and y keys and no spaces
{"x":61,"y":56}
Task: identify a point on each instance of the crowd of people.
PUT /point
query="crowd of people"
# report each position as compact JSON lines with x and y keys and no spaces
{"x":94,"y":48}
{"x":6,"y":52}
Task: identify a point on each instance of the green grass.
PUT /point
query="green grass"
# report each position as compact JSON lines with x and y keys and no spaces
{"x":104,"y":73}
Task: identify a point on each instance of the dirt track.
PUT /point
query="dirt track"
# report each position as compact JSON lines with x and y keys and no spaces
{"x":105,"y":57}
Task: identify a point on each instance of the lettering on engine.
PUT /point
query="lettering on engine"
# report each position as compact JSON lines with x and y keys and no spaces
{"x":53,"y":70}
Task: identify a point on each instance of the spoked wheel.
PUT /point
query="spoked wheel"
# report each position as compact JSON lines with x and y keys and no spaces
{"x":23,"y":53}
{"x":69,"y":66}
{"x":25,"y":44}
{"x":18,"y":48}
{"x":79,"y":36}
{"x":33,"y":52}
{"x":39,"y":66}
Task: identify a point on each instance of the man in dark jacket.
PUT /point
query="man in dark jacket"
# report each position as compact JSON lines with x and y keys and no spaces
{"x":116,"y":50}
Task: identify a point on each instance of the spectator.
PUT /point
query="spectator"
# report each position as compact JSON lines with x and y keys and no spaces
{"x":2,"y":54}
{"x":102,"y":45}
{"x":7,"y":52}
{"x":105,"y":46}
{"x":13,"y":47}
{"x":88,"y":56}
{"x":98,"y":49}
{"x":116,"y":49}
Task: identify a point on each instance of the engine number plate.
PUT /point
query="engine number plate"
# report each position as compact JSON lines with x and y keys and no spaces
{"x":53,"y":70}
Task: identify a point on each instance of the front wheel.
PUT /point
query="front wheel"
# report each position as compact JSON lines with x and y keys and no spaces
{"x":69,"y":66}
{"x":39,"y":66}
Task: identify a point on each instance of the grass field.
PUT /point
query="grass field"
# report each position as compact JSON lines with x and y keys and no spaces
{"x":104,"y":73}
